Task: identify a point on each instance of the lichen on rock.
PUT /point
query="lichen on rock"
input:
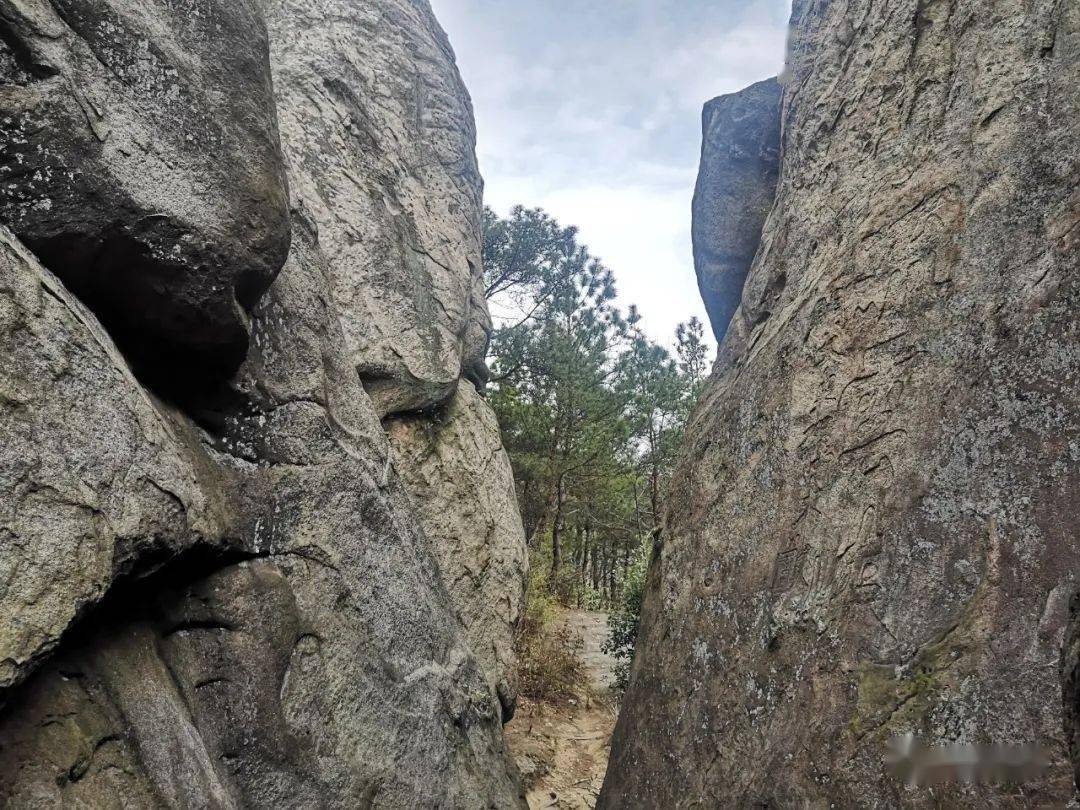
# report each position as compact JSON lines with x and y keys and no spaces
{"x":380,"y":139}
{"x":140,"y":164}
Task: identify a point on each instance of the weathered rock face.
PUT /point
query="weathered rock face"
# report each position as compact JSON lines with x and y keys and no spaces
{"x":97,"y":480}
{"x":141,"y":165}
{"x":380,"y":138}
{"x":459,"y":477}
{"x":313,"y":657}
{"x":451,"y":458}
{"x":230,"y":601}
{"x":740,"y":164}
{"x":873,"y":528}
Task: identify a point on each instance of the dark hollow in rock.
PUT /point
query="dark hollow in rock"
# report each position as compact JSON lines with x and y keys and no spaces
{"x":1070,"y":685}
{"x":174,"y":692}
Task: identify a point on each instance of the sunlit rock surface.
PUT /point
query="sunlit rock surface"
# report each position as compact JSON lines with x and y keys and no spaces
{"x":379,"y":133}
{"x":459,"y":476}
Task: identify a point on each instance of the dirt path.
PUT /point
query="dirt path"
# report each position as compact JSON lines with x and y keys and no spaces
{"x":562,"y":753}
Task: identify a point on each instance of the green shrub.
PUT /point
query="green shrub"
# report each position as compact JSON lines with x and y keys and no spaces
{"x":624,"y":620}
{"x":549,"y":666}
{"x":593,"y":599}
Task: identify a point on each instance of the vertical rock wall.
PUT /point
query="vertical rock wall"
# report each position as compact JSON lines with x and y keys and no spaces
{"x":378,"y":133}
{"x":873,"y":527}
{"x":215,"y":589}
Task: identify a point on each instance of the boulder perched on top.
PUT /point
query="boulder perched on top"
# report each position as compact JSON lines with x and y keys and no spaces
{"x":740,"y":164}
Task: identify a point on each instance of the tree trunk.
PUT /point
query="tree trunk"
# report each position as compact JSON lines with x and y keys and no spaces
{"x":556,"y":530}
{"x":605,"y":574}
{"x":596,"y":568}
{"x":654,"y":494}
{"x":577,"y":564}
{"x":541,"y":522}
{"x":523,"y":506}
{"x":611,"y":579}
{"x":583,"y":561}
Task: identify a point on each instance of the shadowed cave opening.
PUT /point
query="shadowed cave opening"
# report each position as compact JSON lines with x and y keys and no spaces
{"x":129,"y":292}
{"x":132,"y":595}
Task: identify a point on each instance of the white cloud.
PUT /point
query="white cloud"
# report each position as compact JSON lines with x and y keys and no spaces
{"x":592,"y":111}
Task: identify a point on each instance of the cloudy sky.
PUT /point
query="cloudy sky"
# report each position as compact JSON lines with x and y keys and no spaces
{"x":591,"y":109}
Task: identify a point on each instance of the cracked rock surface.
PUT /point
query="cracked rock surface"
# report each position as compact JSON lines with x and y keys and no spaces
{"x":459,"y":476}
{"x":215,"y":590}
{"x":97,"y":479}
{"x":873,"y":527}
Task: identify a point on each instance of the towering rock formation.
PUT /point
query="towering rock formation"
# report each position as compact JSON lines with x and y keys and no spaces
{"x":215,"y":590}
{"x":873,"y":529}
{"x":377,"y":130}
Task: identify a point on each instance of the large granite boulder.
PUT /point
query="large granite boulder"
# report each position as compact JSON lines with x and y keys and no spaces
{"x":227,"y":598}
{"x":379,"y":132}
{"x":318,"y":662}
{"x":404,"y":277}
{"x":408,"y":294}
{"x":873,"y":529}
{"x":740,"y":164}
{"x":455,"y":468}
{"x":139,"y":161}
{"x":97,"y":480}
